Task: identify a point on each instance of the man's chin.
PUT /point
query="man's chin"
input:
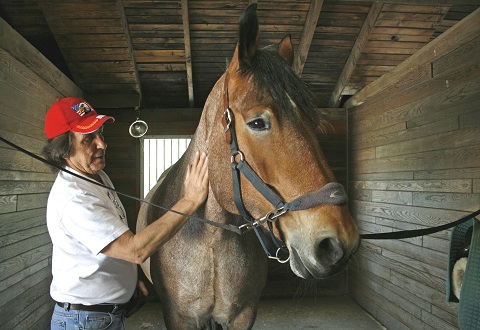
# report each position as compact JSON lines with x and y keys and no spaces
{"x":98,"y":164}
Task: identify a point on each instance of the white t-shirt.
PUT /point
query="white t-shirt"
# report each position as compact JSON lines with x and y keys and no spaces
{"x":82,"y":219}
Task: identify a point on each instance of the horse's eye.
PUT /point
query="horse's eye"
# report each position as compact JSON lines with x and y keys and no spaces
{"x":258,"y":124}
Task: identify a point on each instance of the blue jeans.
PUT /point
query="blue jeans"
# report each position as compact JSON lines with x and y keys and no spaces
{"x":79,"y":320}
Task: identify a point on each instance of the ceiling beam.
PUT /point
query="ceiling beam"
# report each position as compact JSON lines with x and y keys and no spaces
{"x":307,"y":35}
{"x":188,"y":52}
{"x":462,"y":32}
{"x":124,"y":21}
{"x":20,"y":49}
{"x":357,"y":50}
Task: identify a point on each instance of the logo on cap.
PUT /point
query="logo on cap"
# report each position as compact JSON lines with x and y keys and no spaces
{"x":81,"y":108}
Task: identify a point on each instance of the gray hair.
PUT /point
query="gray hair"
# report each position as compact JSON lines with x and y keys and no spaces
{"x":57,"y":149}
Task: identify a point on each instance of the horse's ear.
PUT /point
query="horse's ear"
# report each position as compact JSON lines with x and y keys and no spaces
{"x":285,"y":48}
{"x":248,"y":36}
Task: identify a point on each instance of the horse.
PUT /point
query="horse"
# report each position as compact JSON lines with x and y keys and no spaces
{"x":261,"y":115}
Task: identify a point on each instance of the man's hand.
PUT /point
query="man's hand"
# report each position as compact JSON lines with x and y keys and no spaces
{"x":196,"y":180}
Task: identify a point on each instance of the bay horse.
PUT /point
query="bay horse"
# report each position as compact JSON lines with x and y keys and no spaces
{"x":209,"y":277}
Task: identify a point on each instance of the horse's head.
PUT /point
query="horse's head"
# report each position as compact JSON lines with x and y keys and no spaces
{"x":275,"y":126}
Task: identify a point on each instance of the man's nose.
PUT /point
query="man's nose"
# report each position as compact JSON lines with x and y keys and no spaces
{"x":100,"y":142}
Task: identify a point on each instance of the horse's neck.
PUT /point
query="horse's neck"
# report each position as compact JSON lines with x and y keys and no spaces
{"x":206,"y":124}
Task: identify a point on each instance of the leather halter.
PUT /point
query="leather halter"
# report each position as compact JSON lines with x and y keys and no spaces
{"x":331,"y":193}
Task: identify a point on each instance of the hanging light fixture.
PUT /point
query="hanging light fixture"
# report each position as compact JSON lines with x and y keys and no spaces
{"x":138,"y":128}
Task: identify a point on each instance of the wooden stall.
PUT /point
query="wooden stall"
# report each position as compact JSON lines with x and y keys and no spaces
{"x":414,"y":162}
{"x":29,"y":84}
{"x":405,"y":144}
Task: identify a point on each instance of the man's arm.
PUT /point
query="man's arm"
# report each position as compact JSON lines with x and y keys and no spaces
{"x":138,"y":247}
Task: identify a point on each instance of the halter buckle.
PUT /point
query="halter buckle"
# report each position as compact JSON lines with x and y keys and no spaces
{"x":246,"y":227}
{"x":227,"y":117}
{"x":270,"y":216}
{"x":234,"y":154}
{"x":278,"y":258}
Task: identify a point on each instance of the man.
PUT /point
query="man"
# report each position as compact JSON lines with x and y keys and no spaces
{"x":94,"y":253}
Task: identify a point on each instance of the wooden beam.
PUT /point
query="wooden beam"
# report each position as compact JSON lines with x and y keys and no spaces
{"x":357,"y":50}
{"x":307,"y":35}
{"x":188,"y":52}
{"x":124,"y":21}
{"x":465,"y":30}
{"x":13,"y":43}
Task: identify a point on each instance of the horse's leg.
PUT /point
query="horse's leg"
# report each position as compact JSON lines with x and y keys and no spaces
{"x":244,"y":319}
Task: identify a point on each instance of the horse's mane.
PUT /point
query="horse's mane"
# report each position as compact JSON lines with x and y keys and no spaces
{"x":272,"y":74}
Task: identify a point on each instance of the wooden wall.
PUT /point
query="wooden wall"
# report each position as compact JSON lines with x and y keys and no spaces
{"x":414,"y":162}
{"x":29,"y":84}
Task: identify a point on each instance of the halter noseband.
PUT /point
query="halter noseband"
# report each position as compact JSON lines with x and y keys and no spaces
{"x":331,"y":193}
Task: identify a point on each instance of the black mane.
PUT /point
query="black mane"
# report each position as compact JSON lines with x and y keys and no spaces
{"x":272,"y":74}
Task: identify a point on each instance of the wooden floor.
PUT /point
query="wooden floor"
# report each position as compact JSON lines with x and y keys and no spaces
{"x":338,"y":312}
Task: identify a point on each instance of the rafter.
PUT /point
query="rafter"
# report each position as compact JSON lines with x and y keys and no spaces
{"x":124,"y":21}
{"x":355,"y":54}
{"x":188,"y":52}
{"x":467,"y":29}
{"x":307,"y":35}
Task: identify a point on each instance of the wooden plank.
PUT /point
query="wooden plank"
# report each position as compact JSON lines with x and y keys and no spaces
{"x":307,"y":35}
{"x":458,"y":58}
{"x":147,"y":56}
{"x":20,"y":78}
{"x":466,"y":173}
{"x":445,"y":200}
{"x":31,"y":201}
{"x":15,"y":249}
{"x":29,"y":271}
{"x":454,"y":185}
{"x":21,"y":50}
{"x":38,"y":286}
{"x":39,"y":318}
{"x":188,"y":52}
{"x":162,"y":67}
{"x":128,"y":38}
{"x":8,"y":203}
{"x":458,"y":138}
{"x":409,"y":266}
{"x":27,"y":229}
{"x":21,"y":187}
{"x":24,"y":310}
{"x":393,"y":197}
{"x":433,"y":160}
{"x":405,"y":213}
{"x":462,"y":32}
{"x":357,"y":50}
{"x":26,"y":176}
{"x":457,"y":99}
{"x":98,"y":40}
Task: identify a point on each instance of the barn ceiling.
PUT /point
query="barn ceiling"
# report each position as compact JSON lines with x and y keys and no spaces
{"x":169,"y":54}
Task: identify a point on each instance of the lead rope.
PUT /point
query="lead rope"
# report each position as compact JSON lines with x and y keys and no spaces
{"x":237,"y":230}
{"x":269,"y":216}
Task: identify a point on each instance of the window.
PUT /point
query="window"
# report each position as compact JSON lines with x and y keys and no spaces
{"x":159,"y":153}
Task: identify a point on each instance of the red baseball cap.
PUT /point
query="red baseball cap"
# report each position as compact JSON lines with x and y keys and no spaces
{"x":72,"y":114}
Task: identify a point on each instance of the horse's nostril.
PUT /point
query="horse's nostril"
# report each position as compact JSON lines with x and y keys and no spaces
{"x":329,"y":251}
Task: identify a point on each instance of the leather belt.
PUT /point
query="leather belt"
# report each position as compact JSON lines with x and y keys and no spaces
{"x":104,"y":308}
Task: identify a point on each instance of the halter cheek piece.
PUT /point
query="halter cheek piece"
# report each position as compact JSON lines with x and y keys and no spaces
{"x":331,"y":193}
